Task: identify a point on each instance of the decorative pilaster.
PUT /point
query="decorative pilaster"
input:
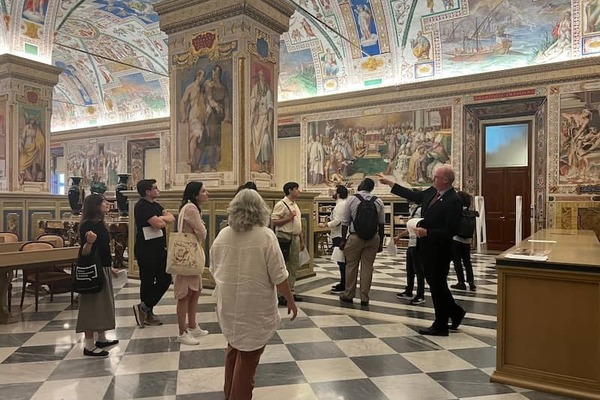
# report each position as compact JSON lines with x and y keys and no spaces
{"x":224,"y":63}
{"x":25,"y":110}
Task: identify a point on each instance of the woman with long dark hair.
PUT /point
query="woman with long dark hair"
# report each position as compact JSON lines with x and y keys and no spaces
{"x":96,"y":310}
{"x":187,"y":288}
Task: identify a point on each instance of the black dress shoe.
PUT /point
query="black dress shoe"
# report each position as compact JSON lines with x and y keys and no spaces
{"x":106,"y":344}
{"x":346,"y":300}
{"x":95,"y":353}
{"x":456,"y":321}
{"x":281,"y":301}
{"x":431,"y":331}
{"x":298,"y":298}
{"x":364,"y":303}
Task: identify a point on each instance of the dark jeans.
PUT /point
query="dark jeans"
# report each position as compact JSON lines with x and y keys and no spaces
{"x":336,"y":243}
{"x":461,"y":254}
{"x":154,"y":280}
{"x":414,"y":267}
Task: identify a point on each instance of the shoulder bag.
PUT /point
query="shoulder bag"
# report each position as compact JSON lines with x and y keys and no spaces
{"x":88,"y":273}
{"x":185,"y":255}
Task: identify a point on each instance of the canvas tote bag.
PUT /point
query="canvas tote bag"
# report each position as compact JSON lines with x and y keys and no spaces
{"x":185,"y":255}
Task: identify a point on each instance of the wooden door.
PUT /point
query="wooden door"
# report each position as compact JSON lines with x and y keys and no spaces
{"x":501,"y":183}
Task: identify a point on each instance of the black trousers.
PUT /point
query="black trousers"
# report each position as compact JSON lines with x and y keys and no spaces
{"x":342,"y":265}
{"x":461,"y":254}
{"x":436,"y":264}
{"x":414,"y":268}
{"x":154,"y":280}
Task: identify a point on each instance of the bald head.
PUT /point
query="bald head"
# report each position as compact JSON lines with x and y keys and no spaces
{"x":443,"y":177}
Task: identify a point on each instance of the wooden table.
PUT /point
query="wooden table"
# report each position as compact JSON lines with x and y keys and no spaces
{"x":549,"y":316}
{"x":12,"y":260}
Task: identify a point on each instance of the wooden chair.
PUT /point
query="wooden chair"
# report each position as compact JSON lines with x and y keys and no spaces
{"x":54,"y":240}
{"x":57,"y":280}
{"x":9,"y":237}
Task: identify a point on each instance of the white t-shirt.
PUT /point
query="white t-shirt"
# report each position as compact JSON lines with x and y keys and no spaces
{"x":246,"y":267}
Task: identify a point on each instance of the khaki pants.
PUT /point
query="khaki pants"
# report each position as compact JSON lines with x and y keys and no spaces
{"x":363,"y":251}
{"x":240,"y":367}
{"x":293,"y":263}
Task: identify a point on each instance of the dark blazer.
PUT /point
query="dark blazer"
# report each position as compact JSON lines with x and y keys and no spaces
{"x":441,"y":219}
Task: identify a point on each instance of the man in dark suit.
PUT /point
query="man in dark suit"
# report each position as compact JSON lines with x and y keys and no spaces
{"x":441,"y":212}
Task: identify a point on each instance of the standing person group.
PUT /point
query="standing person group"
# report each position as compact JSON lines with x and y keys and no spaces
{"x":286,"y":219}
{"x":441,"y":212}
{"x":96,"y":310}
{"x":187,"y":288}
{"x":150,"y":251}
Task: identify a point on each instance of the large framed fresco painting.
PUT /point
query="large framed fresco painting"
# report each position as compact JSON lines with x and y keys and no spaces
{"x":97,"y":160}
{"x":262,"y":115}
{"x":406,"y":145}
{"x":31,"y":144}
{"x":579,"y":138}
{"x":203,"y":86}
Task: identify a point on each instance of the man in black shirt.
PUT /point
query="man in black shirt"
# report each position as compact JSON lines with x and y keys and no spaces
{"x":150,"y":251}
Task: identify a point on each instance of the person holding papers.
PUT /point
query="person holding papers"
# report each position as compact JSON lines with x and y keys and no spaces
{"x":150,"y":251}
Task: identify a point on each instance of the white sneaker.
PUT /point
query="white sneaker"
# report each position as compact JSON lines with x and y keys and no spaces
{"x":187,"y":338}
{"x":197,"y":331}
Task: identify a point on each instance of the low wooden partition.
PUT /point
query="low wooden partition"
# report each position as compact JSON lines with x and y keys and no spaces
{"x":214,"y":214}
{"x":549,"y":315}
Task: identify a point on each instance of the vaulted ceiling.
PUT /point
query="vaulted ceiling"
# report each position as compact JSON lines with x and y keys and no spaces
{"x":115,"y":56}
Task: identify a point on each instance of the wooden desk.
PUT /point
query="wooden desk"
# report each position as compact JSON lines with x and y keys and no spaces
{"x":11,"y":260}
{"x":549,"y":316}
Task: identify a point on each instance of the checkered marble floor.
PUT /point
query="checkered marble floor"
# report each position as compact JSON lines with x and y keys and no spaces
{"x":330,"y":352}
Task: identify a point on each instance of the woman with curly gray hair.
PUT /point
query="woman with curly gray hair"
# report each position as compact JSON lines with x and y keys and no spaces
{"x":248,"y":269}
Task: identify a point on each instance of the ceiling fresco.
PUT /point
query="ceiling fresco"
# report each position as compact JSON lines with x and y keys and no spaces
{"x":115,"y":56}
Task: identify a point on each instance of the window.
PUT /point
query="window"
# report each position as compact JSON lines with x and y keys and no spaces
{"x":506,"y":145}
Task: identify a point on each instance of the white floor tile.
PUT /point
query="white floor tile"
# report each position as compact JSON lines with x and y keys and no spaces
{"x":74,"y":389}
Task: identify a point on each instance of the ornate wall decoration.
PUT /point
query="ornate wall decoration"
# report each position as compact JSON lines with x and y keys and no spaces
{"x":203,"y":77}
{"x":3,"y":143}
{"x":31,"y":161}
{"x":262,"y":114}
{"x":405,"y":141}
{"x":136,"y":149}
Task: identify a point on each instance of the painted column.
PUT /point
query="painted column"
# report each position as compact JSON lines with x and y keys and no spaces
{"x":224,"y":64}
{"x":25,"y":110}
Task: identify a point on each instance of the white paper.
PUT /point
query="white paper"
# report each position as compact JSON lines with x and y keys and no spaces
{"x":152,"y":233}
{"x":338,"y":255}
{"x":121,"y":279}
{"x":411,"y":224}
{"x":392,"y":250}
{"x":304,"y":256}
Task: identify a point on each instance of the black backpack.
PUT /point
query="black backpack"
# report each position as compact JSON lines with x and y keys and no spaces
{"x":366,"y":223}
{"x":466,"y":228}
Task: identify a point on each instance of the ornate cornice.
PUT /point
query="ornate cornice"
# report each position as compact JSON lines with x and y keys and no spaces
{"x":15,"y":67}
{"x":547,"y":74}
{"x":129,"y":128}
{"x":180,"y":15}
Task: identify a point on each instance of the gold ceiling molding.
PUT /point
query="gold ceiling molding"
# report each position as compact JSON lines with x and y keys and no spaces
{"x":130,"y":128}
{"x":582,"y":69}
{"x":31,"y":71}
{"x":179,"y":15}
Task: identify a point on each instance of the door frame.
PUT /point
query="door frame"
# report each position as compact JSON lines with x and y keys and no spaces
{"x":531,"y":121}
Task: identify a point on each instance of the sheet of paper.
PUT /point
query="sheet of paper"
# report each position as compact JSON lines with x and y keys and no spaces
{"x":152,"y":233}
{"x":411,"y":224}
{"x":337,"y":255}
{"x":304,"y":256}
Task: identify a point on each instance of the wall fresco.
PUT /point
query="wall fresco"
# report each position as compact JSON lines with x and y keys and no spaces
{"x":579,"y":143}
{"x":407,"y":145}
{"x":99,"y":160}
{"x":31,"y":144}
{"x":262,"y":114}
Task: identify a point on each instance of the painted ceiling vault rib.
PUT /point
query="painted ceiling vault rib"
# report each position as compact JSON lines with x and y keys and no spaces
{"x":114,"y":52}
